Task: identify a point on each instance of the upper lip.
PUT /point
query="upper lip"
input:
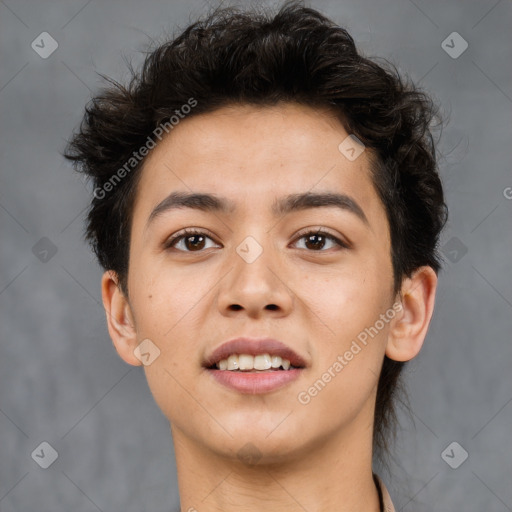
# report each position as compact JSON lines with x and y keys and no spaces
{"x":254,"y":347}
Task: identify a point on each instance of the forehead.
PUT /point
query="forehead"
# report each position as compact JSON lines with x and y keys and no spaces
{"x":243,"y":135}
{"x":248,"y":153}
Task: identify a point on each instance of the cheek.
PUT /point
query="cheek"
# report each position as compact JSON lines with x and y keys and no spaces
{"x":351,"y":337}
{"x":165,"y":298}
{"x":347,"y":299}
{"x":348,"y":357}
{"x":169,"y":305}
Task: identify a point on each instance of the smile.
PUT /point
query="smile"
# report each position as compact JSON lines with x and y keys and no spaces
{"x":254,"y":365}
{"x":247,"y":362}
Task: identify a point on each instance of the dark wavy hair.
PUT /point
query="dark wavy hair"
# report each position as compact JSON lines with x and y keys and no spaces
{"x":249,"y":57}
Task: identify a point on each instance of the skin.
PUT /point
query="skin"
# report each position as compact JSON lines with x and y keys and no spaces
{"x":314,"y":457}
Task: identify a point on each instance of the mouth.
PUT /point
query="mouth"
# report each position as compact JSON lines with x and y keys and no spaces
{"x":253,"y":366}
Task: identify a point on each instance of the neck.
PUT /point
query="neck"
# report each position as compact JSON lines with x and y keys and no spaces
{"x":333,"y":476}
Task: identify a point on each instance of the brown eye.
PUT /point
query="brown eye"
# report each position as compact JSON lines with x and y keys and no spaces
{"x":189,"y":241}
{"x":317,"y":240}
{"x":194,"y":242}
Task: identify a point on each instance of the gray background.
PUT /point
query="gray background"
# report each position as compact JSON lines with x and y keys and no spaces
{"x":60,"y":378}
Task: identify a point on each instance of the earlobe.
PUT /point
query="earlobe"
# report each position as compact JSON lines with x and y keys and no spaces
{"x":120,"y":322}
{"x":409,"y":328}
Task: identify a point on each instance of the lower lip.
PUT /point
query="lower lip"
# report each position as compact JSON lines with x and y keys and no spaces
{"x":255,"y":382}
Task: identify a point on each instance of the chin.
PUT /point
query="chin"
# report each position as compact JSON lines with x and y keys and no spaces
{"x":253,"y":447}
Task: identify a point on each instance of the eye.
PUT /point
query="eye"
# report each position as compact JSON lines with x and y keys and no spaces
{"x":316,"y":240}
{"x":191,"y":240}
{"x":195,"y":240}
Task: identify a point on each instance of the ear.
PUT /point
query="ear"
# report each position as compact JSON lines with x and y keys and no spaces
{"x":121,"y":325}
{"x":409,"y":328}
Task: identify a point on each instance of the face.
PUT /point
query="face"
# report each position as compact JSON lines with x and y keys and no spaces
{"x":313,"y":275}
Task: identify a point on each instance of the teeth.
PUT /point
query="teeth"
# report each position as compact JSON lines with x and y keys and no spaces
{"x":247,"y":362}
{"x":232,"y":362}
{"x":276,"y":361}
{"x":262,"y":362}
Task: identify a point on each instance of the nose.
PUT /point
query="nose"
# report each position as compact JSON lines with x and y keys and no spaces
{"x":255,"y":287}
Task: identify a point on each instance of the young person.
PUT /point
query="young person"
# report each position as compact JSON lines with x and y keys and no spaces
{"x":267,"y":209}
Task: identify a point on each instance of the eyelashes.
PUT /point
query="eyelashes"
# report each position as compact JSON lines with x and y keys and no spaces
{"x":201,"y":236}
{"x":323,"y":234}
{"x":185,"y":233}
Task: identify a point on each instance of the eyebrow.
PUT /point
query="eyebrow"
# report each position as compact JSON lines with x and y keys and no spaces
{"x":291,"y":203}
